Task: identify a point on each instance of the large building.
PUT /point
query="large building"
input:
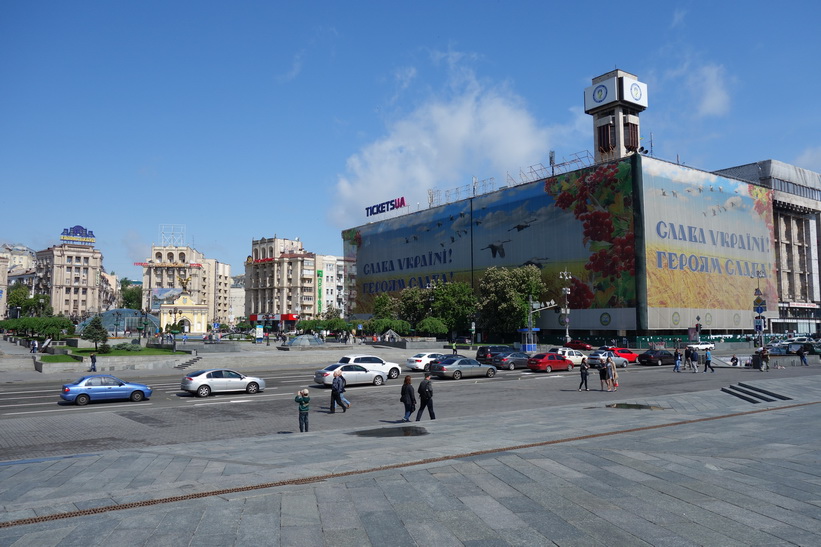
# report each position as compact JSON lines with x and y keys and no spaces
{"x":644,"y":245}
{"x":284,"y":283}
{"x":174,"y":269}
{"x":71,"y":274}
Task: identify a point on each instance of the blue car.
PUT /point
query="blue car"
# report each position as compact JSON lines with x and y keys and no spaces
{"x":103,"y":387}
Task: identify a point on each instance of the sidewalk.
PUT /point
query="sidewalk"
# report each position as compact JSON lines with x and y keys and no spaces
{"x":705,"y":469}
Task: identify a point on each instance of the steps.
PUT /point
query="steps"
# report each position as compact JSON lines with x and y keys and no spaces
{"x":753,"y":394}
{"x":188,"y":363}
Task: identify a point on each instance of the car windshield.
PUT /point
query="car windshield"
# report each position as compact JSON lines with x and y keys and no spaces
{"x":345,"y":360}
{"x":420,"y":355}
{"x":539,"y":356}
{"x":448,"y":361}
{"x":196,"y":373}
{"x":331,"y":367}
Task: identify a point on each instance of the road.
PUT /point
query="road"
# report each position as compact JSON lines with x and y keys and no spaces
{"x":36,"y":423}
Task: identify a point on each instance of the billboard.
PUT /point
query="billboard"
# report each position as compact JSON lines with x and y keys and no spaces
{"x":163,"y":296}
{"x":708,"y":246}
{"x":582,"y":222}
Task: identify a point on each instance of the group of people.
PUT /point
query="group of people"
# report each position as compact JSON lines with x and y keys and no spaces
{"x":608,"y":375}
{"x":691,"y":359}
{"x":407,"y":398}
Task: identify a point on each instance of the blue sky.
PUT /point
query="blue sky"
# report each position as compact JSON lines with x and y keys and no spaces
{"x":242,"y":120}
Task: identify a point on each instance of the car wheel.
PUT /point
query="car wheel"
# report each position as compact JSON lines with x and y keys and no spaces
{"x":393,"y":374}
{"x":570,"y":367}
{"x":82,"y":400}
{"x":658,"y":363}
{"x":547,"y":369}
{"x":491,"y":373}
{"x":427,"y":367}
{"x":203,"y":391}
{"x":252,"y":388}
{"x":377,"y":381}
{"x":511,"y":366}
{"x":137,"y":396}
{"x":457,"y":375}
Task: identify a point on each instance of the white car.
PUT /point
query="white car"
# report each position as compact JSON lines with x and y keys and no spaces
{"x":701,"y":346}
{"x":372,"y":362}
{"x":353,"y":374}
{"x":572,"y":355}
{"x":422,"y":361}
{"x":598,"y":358}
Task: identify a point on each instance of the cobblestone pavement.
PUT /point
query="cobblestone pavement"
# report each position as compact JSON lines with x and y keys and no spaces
{"x":702,"y":468}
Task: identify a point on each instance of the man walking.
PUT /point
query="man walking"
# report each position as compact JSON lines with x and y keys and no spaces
{"x":694,"y":359}
{"x":425,"y":398}
{"x":802,"y":353}
{"x":708,"y":359}
{"x":336,"y":391}
{"x":688,"y":358}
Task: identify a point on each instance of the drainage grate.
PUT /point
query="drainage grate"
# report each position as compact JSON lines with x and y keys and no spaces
{"x":635,"y":406}
{"x":406,"y":431}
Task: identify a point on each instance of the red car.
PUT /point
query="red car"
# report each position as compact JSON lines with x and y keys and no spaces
{"x":549,"y":362}
{"x":578,"y":344}
{"x":627,"y":354}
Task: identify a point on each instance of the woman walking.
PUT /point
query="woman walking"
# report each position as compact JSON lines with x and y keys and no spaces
{"x":584,"y":368}
{"x":408,"y":398}
{"x":608,"y":367}
{"x":677,"y":357}
{"x":603,"y":375}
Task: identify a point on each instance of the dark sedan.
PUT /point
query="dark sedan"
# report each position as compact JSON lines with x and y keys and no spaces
{"x":657,"y":357}
{"x":510,"y":360}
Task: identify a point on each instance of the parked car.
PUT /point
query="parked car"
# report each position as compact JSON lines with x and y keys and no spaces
{"x":372,"y":362}
{"x":578,"y":344}
{"x":631,"y":356}
{"x":220,"y":380}
{"x":510,"y":360}
{"x":549,"y":362}
{"x":598,"y":358}
{"x":657,"y":357}
{"x":422,"y":361}
{"x":353,"y":374}
{"x":459,"y":368}
{"x":463,"y":340}
{"x":702,"y":346}
{"x":484,"y":354}
{"x":103,"y":387}
{"x":574,"y":355}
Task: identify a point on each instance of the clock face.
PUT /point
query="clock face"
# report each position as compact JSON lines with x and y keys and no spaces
{"x":635,"y":92}
{"x":600,"y":93}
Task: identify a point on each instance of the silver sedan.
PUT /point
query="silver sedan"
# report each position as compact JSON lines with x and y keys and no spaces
{"x":458,"y":368}
{"x":353,"y":374}
{"x":204,"y":382}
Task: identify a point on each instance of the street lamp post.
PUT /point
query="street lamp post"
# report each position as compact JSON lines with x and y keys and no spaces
{"x":117,"y":316}
{"x":759,"y":305}
{"x":566,"y":277}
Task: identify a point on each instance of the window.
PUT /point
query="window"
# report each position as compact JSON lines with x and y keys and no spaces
{"x":631,"y":136}
{"x":607,"y":137}
{"x":68,"y":260}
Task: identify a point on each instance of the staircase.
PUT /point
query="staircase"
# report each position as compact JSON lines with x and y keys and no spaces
{"x":188,"y":363}
{"x":753,"y":394}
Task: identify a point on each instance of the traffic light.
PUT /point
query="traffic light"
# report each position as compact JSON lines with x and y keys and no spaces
{"x":698,"y":328}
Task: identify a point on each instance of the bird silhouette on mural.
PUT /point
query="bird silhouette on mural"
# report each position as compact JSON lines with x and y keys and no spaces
{"x":496,"y":248}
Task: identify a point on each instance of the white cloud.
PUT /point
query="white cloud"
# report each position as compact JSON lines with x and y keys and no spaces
{"x":296,"y":68}
{"x":441,"y":144}
{"x":810,"y":159}
{"x":709,"y":83}
{"x":678,"y":17}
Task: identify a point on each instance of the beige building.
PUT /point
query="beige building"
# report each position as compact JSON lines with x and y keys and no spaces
{"x":4,"y":286}
{"x":19,"y":257}
{"x":71,"y":274}
{"x":172,"y":270}
{"x":284,"y":283}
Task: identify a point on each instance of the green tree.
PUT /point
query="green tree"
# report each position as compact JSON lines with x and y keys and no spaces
{"x":17,"y":296}
{"x":504,"y":294}
{"x":132,"y":297}
{"x":455,"y":304}
{"x":125,"y":282}
{"x":384,"y":307}
{"x":38,"y":306}
{"x":337,"y":325}
{"x":95,"y":332}
{"x":332,"y":313}
{"x":414,"y":304}
{"x":432,"y":326}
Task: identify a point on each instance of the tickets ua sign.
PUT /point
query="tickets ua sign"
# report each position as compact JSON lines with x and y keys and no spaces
{"x":385,"y":206}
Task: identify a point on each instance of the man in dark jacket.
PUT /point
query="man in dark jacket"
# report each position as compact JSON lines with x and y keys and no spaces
{"x":425,"y":398}
{"x":336,"y":389}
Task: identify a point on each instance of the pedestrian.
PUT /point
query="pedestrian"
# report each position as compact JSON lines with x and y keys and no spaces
{"x":342,"y":397}
{"x":184,"y":339}
{"x":93,"y":363}
{"x":694,"y":359}
{"x":336,"y":386}
{"x":304,"y":401}
{"x":734,"y":360}
{"x":603,"y":375}
{"x":688,"y":358}
{"x":677,"y":363}
{"x":454,"y":347}
{"x":802,"y":353}
{"x":608,"y":365}
{"x":33,"y":346}
{"x":615,"y":377}
{"x":708,"y":359}
{"x":584,"y":369}
{"x":408,"y":398}
{"x":425,"y":398}
{"x":765,"y":360}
